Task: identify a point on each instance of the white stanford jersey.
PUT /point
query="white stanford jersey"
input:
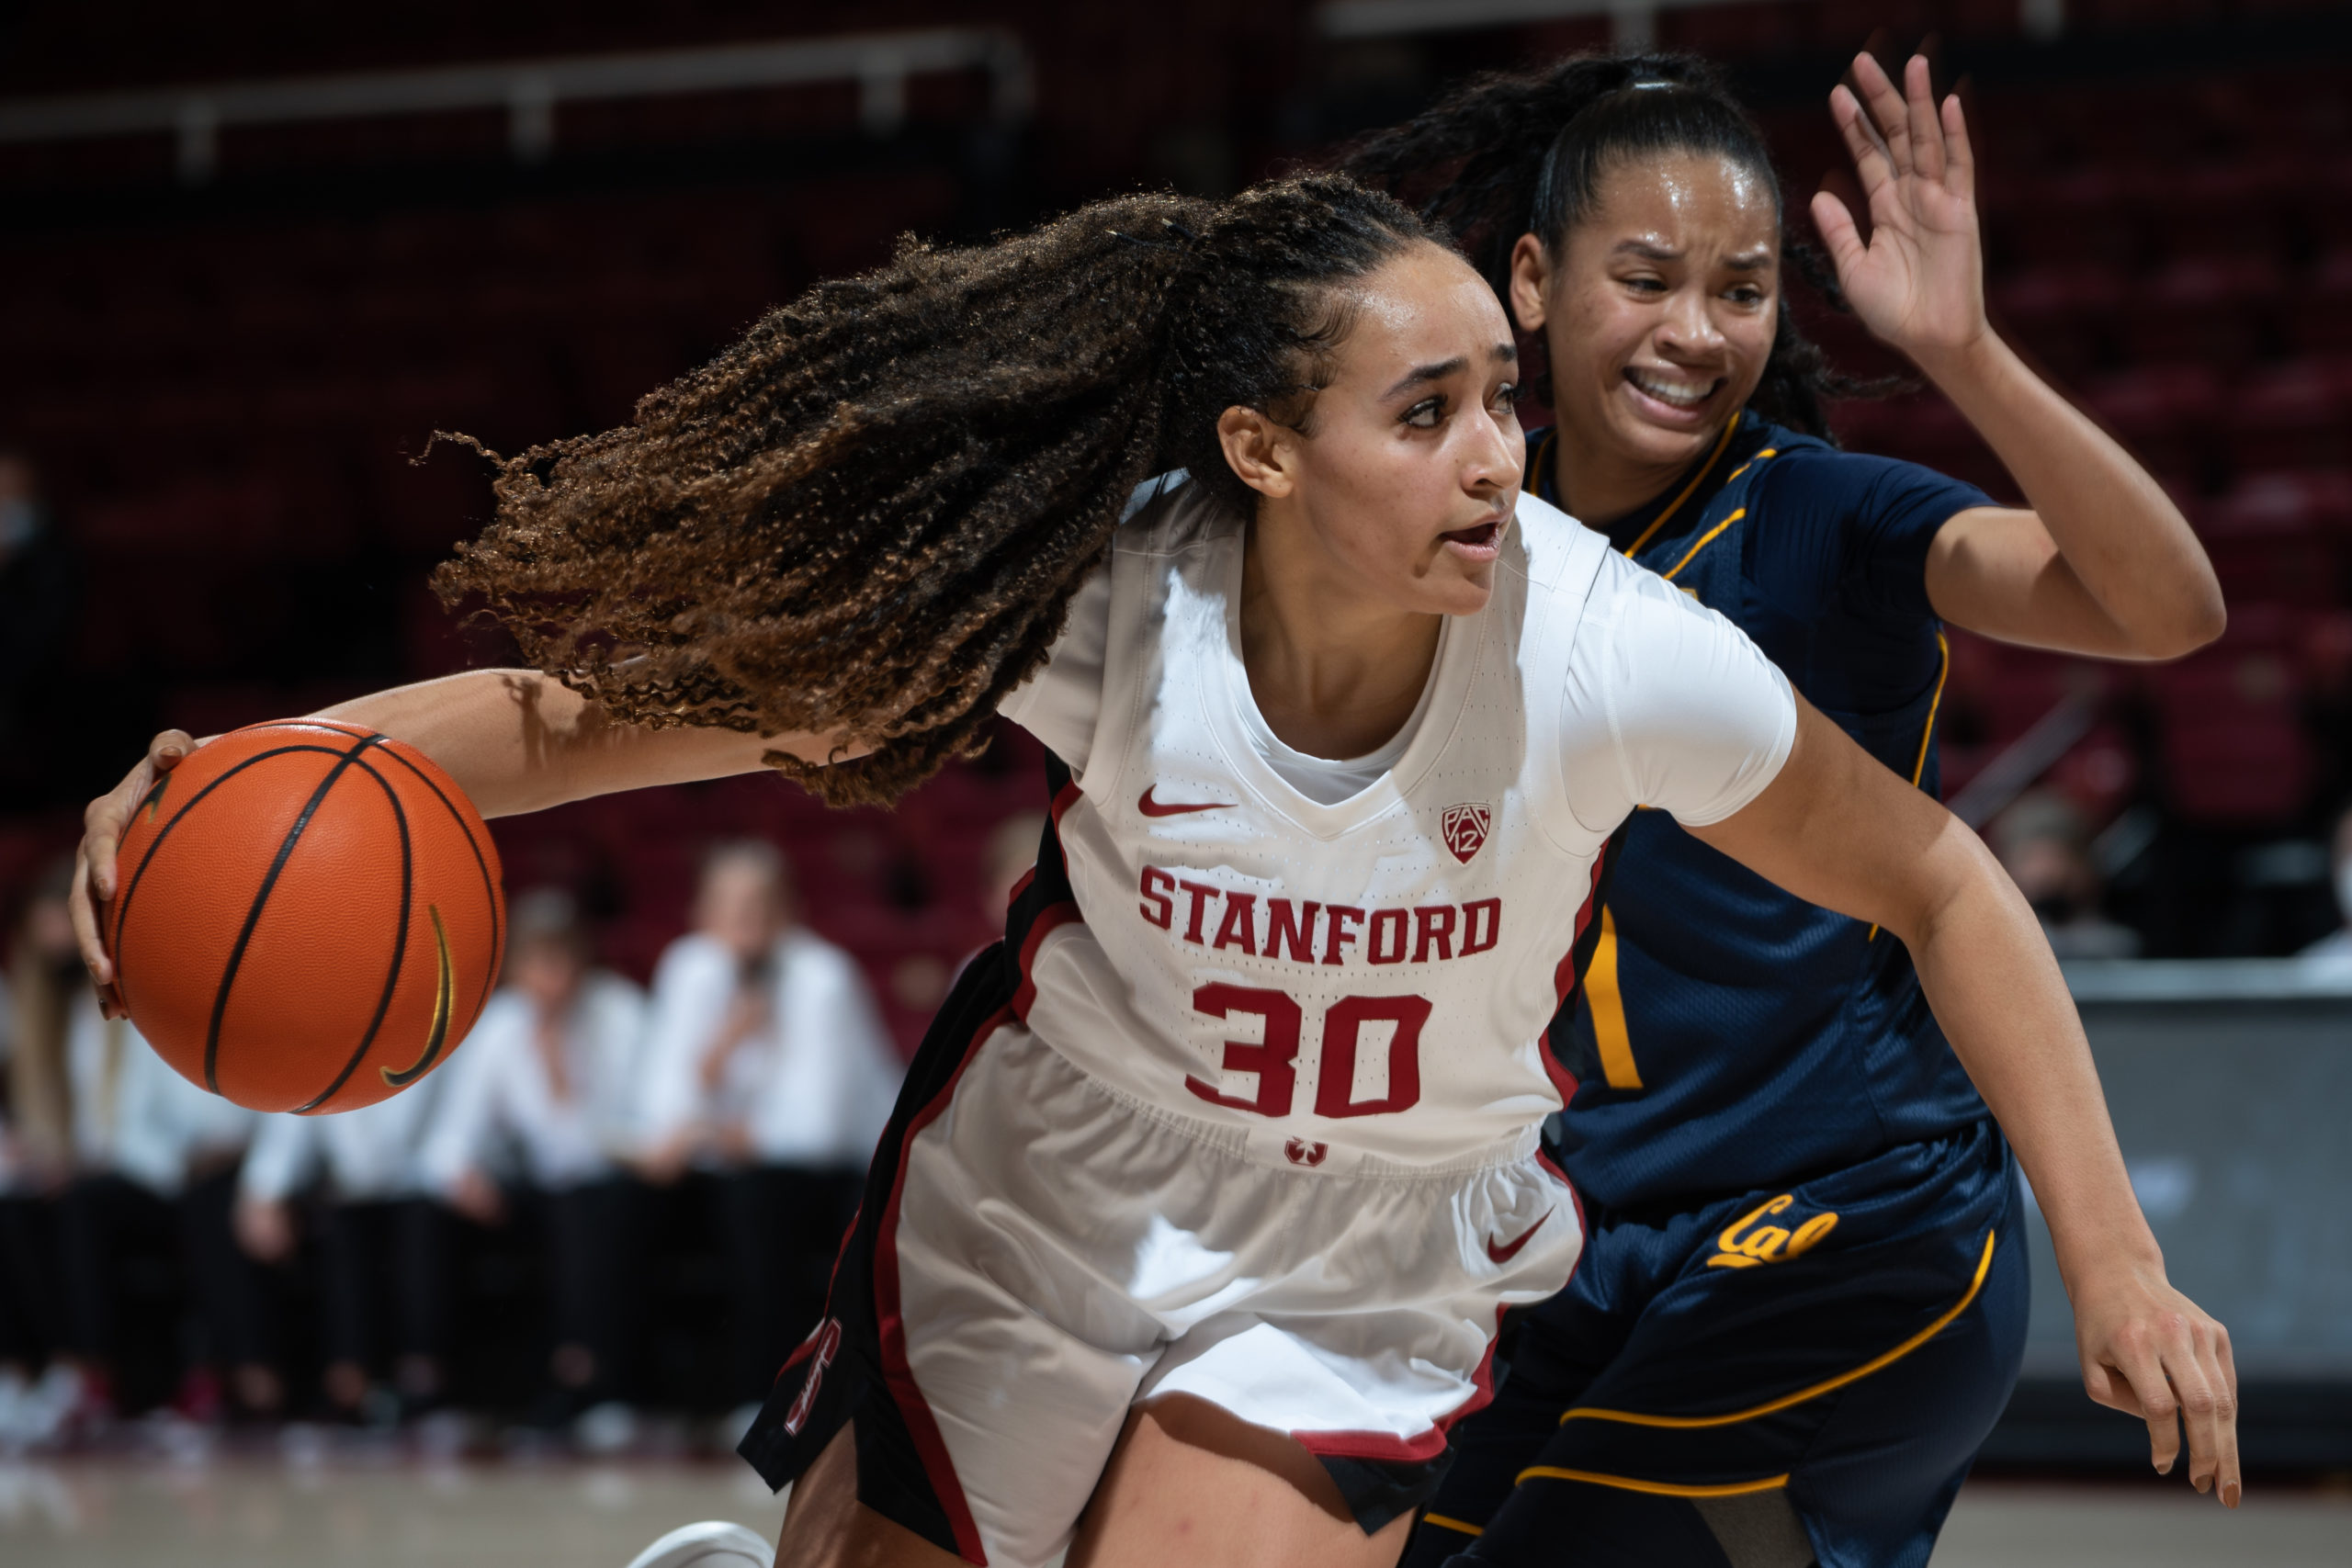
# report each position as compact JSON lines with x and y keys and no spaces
{"x":1244,"y":1109}
{"x":1369,"y":978}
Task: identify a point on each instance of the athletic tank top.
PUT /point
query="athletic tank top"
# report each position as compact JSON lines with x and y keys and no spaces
{"x":1371,"y":976}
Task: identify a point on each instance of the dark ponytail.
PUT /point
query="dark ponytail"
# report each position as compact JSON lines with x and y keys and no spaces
{"x":1518,"y":153}
{"x":868,"y":516}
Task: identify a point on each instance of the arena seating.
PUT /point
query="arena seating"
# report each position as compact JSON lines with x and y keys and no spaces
{"x":228,"y":410}
{"x":2173,"y":256}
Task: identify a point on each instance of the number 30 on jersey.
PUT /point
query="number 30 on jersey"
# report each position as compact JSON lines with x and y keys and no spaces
{"x":1275,"y":1059}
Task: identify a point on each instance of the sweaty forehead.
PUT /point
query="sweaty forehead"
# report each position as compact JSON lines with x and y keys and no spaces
{"x":1423,"y":307}
{"x":1696,"y":197}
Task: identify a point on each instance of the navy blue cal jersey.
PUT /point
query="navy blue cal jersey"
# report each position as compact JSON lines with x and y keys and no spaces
{"x":1729,"y":1036}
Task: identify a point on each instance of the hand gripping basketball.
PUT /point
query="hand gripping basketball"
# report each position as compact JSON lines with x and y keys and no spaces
{"x":306,"y":916}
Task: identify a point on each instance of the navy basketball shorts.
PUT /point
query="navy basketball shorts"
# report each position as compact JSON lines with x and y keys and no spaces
{"x":1037,"y":1254}
{"x":1846,"y":1343}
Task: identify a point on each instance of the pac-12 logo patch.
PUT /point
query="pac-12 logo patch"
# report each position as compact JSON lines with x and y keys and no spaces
{"x":1465,"y":828}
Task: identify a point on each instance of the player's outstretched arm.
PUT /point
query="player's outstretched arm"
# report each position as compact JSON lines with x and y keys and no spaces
{"x":2104,"y":563}
{"x":516,"y":740}
{"x":1837,"y":829}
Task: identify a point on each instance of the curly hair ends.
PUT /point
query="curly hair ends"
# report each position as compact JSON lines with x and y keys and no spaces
{"x":1524,"y":151}
{"x":867,"y":518}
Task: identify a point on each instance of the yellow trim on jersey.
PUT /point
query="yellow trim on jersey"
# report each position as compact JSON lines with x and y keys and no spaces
{"x":1704,"y":540}
{"x":1718,"y":528}
{"x":1445,"y":1524}
{"x":1534,"y":485}
{"x":1877,"y":1363}
{"x":1919,"y":768}
{"x":1676,"y":504}
{"x":1655,"y":1488}
{"x":1928,"y":730}
{"x":1608,"y":1008}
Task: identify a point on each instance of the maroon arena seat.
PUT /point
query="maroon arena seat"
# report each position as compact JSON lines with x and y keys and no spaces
{"x":2064,"y":313}
{"x":2241,"y":205}
{"x":2292,"y":415}
{"x":2068,"y":215}
{"x":2276,"y":561}
{"x":2164,"y":414}
{"x":2319,"y":317}
{"x":2213,"y":309}
{"x":2234,"y":745}
{"x":2319,"y":500}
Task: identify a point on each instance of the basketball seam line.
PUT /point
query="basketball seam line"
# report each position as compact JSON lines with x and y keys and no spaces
{"x":481,"y":863}
{"x":443,"y":995}
{"x":400,"y":943}
{"x":122,"y":909}
{"x":261,"y":898}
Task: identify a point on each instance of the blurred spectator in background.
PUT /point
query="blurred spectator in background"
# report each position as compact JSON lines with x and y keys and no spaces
{"x":382,"y":1244}
{"x":42,"y":977}
{"x":2045,"y":845}
{"x":551,"y":1071}
{"x":2337,"y":943}
{"x":39,"y":598}
{"x":155,"y":1161}
{"x":767,"y":1062}
{"x":1013,"y":854}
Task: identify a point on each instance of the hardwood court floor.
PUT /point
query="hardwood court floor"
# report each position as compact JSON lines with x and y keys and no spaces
{"x":250,"y":1512}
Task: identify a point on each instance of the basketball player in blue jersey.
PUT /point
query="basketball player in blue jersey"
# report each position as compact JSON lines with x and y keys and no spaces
{"x":1191,"y":1236}
{"x":1803,"y":1303}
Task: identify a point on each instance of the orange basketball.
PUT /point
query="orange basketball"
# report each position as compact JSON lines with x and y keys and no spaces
{"x":308,"y":915}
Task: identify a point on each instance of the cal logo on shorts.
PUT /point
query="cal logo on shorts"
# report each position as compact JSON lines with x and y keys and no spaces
{"x":1747,"y":1241}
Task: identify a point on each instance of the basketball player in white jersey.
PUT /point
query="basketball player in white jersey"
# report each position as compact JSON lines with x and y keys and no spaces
{"x":1189,"y":1237}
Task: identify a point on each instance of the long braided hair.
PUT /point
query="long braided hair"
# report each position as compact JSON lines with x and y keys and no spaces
{"x":867,"y":518}
{"x":1516,"y":153}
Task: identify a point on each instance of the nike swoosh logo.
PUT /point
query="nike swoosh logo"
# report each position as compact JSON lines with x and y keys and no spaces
{"x":439,"y":1035}
{"x":1151,"y":807}
{"x":1504,"y":1253}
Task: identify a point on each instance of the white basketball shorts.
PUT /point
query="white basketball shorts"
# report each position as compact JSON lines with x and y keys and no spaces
{"x":1037,"y":1255}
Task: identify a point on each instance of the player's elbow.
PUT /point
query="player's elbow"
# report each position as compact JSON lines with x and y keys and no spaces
{"x":2207,"y":619}
{"x":1938,"y":887}
{"x":2198,"y":618}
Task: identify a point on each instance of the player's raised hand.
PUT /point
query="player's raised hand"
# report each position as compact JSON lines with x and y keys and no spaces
{"x":94,"y":882}
{"x":1919,"y":283}
{"x":2150,"y":1352}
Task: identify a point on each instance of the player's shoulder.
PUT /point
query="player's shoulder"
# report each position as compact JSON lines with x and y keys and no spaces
{"x":1559,"y":556}
{"x":1633,"y":619}
{"x":1573,"y":566}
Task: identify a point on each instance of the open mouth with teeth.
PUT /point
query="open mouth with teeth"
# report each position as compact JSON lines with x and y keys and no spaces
{"x":1675,"y":392}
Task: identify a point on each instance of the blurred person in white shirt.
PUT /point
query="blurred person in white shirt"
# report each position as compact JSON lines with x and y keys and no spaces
{"x":382,"y":1243}
{"x":155,"y":1161}
{"x":1011,"y":855}
{"x":550,"y":1077}
{"x":43,"y":974}
{"x":768,"y":1064}
{"x":2045,"y":845}
{"x":2335,"y":947}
